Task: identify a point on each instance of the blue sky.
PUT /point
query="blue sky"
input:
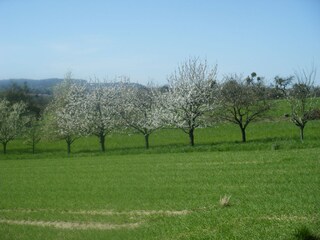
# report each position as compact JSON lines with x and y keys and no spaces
{"x":146,"y":40}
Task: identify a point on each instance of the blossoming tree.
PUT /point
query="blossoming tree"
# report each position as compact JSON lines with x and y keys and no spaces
{"x":102,"y":116}
{"x":139,"y":108}
{"x":12,"y":121}
{"x":191,"y":94}
{"x":67,"y":113}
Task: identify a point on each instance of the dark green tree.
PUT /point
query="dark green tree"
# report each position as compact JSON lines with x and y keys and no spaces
{"x":17,"y":93}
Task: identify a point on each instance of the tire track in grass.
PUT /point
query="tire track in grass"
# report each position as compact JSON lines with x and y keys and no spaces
{"x":135,"y":212}
{"x":104,"y":212}
{"x":72,"y":225}
{"x":289,"y":218}
{"x":87,"y":225}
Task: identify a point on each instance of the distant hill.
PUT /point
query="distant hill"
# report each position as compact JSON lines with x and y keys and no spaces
{"x":42,"y":84}
{"x":45,"y":86}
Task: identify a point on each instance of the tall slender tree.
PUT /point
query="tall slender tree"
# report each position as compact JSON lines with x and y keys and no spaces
{"x":33,"y":132}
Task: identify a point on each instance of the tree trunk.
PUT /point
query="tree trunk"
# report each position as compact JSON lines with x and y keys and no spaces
{"x":102,"y":140}
{"x":33,"y":147}
{"x":146,"y":138}
{"x":69,"y":147}
{"x":301,"y":133}
{"x":4,"y":147}
{"x":191,"y":136}
{"x":243,"y":133}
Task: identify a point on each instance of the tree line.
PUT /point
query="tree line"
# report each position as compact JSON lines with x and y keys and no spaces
{"x":192,"y":98}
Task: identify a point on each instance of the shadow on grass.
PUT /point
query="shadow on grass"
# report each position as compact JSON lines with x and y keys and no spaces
{"x":304,"y":234}
{"x":219,"y":146}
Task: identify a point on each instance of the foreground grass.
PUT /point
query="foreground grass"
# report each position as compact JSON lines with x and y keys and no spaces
{"x":162,"y":196}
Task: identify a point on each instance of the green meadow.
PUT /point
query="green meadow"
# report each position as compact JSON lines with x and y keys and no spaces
{"x":171,"y":191}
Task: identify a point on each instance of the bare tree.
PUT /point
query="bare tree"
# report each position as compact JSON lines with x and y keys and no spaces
{"x":33,"y":133}
{"x":282,"y":84}
{"x":302,"y":99}
{"x":243,"y":100}
{"x":298,"y":90}
{"x":191,"y":94}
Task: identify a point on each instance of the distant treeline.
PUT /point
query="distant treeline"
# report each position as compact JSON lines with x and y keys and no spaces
{"x":43,"y":86}
{"x":38,"y":93}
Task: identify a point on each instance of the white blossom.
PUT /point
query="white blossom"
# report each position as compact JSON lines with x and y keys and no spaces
{"x":191,"y":94}
{"x":67,"y":111}
{"x":139,"y":108}
{"x":12,"y":121}
{"x":101,"y":116}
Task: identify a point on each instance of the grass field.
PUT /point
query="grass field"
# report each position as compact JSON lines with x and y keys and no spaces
{"x":221,"y":137}
{"x":170,"y":191}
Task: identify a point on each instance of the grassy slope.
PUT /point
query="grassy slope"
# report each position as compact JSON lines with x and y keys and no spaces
{"x":273,"y":194}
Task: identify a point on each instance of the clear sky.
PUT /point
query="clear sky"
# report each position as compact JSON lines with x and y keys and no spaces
{"x":147,"y":39}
